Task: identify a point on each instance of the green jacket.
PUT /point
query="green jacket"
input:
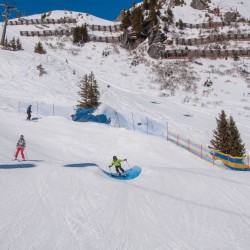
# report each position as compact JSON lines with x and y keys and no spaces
{"x":117,"y":163}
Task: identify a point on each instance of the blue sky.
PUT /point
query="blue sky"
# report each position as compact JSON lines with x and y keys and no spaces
{"x":107,"y":9}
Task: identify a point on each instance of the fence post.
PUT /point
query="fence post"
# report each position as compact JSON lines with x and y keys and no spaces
{"x":177,"y":140}
{"x":98,"y":113}
{"x":227,"y":161}
{"x":133,"y":121}
{"x":201,"y":151}
{"x":118,"y":119}
{"x":248,"y":163}
{"x":167,"y":131}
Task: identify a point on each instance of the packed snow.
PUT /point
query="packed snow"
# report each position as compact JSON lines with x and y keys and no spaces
{"x":61,"y":198}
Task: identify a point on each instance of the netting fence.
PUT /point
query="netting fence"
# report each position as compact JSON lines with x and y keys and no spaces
{"x":204,"y":152}
{"x":141,"y":124}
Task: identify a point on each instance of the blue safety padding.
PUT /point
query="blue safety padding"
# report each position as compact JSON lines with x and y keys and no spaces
{"x":132,"y":173}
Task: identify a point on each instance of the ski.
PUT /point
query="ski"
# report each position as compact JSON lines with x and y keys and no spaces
{"x":122,"y":175}
{"x":18,"y":160}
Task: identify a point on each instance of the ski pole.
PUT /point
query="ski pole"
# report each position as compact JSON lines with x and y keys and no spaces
{"x":129,"y":166}
{"x":14,"y":155}
{"x":110,"y":170}
{"x":26,"y":156}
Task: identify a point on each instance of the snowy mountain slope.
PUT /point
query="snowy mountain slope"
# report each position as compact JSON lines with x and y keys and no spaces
{"x":61,"y":199}
{"x":133,"y":89}
{"x":47,"y":203}
{"x":198,"y":16}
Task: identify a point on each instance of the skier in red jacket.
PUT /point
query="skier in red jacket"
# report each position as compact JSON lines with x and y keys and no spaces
{"x":20,"y":146}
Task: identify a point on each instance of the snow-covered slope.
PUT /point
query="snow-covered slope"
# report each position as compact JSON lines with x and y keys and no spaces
{"x":198,"y":16}
{"x":61,"y":198}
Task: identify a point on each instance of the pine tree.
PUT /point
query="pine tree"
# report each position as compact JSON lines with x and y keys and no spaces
{"x":237,"y":147}
{"x":145,"y":4}
{"x":153,"y":15}
{"x":13,"y":43}
{"x":80,"y":34}
{"x":84,"y":93}
{"x":18,"y":44}
{"x":41,"y":69}
{"x":76,"y":34}
{"x":84,"y":33}
{"x":181,"y":24}
{"x":126,"y":19}
{"x":94,"y":92}
{"x":170,"y":16}
{"x":137,"y":20}
{"x":221,"y":134}
{"x":89,"y":92}
{"x":39,"y":48}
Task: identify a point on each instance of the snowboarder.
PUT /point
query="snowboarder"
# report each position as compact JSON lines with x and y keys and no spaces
{"x":21,"y":144}
{"x":29,"y":112}
{"x":117,"y":163}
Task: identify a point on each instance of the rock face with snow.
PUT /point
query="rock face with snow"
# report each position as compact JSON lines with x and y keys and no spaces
{"x":199,"y":4}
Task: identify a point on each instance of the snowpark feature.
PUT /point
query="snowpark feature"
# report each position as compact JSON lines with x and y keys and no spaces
{"x":59,"y":199}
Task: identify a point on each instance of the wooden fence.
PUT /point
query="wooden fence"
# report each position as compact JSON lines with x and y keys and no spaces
{"x":111,"y":28}
{"x":212,"y":25}
{"x":46,"y":33}
{"x":168,"y":54}
{"x":107,"y":39}
{"x":42,"y":21}
{"x":212,"y":39}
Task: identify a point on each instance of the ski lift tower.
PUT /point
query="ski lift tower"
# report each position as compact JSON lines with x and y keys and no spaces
{"x":8,"y":8}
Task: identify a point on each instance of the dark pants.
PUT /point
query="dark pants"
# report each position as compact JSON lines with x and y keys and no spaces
{"x":29,"y":116}
{"x":117,"y":169}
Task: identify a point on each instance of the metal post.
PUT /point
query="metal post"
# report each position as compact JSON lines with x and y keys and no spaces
{"x":133,"y":121}
{"x":8,"y":8}
{"x":167,"y":131}
{"x":248,"y":163}
{"x":178,"y":140}
{"x":118,"y":119}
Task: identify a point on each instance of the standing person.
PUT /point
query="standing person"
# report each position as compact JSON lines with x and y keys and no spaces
{"x":29,"y":112}
{"x":117,"y":163}
{"x":21,"y":144}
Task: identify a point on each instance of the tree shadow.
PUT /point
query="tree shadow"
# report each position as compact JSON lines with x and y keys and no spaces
{"x":14,"y":166}
{"x":80,"y":165}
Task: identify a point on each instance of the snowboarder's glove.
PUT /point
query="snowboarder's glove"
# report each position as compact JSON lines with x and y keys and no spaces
{"x":125,"y":159}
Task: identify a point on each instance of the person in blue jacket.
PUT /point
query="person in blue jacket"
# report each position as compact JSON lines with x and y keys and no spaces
{"x":29,"y":112}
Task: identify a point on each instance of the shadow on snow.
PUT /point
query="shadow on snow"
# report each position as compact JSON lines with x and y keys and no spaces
{"x":132,"y":173}
{"x":13,"y":166}
{"x":80,"y":165}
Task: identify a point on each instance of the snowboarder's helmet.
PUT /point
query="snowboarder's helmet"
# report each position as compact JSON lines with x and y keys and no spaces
{"x":21,"y":136}
{"x":114,"y":158}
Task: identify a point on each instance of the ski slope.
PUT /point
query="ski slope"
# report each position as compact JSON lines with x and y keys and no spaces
{"x":61,"y":199}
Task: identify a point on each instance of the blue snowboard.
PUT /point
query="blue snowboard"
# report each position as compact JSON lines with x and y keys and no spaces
{"x":131,"y":173}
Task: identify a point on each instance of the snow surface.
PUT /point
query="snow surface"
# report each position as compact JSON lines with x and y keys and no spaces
{"x":61,"y":198}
